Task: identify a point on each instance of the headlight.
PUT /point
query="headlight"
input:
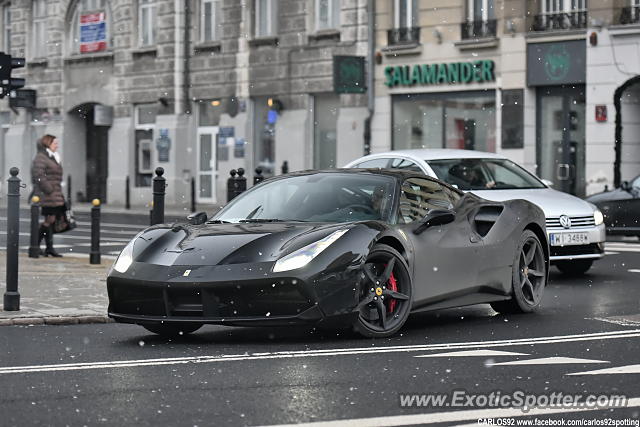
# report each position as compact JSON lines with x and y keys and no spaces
{"x":598,"y":217}
{"x":303,"y":256}
{"x":125,"y":259}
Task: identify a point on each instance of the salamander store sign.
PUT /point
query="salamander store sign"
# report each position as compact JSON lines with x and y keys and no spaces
{"x":444,"y":73}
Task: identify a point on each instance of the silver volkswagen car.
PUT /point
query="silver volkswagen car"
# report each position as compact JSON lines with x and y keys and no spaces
{"x":575,"y":227}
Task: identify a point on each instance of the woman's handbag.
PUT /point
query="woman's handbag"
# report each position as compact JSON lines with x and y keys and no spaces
{"x":66,"y":221}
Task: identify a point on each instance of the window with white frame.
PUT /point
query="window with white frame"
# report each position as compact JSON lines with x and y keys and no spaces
{"x":405,"y":13}
{"x":210,"y":13}
{"x":38,"y":29}
{"x":6,"y":28}
{"x":89,"y":29}
{"x":147,"y":22}
{"x":563,"y":6}
{"x":480,"y":10}
{"x":327,"y":13}
{"x":266,"y":18}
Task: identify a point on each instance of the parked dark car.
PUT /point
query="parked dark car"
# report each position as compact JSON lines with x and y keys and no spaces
{"x":621,"y":208}
{"x":352,"y":247}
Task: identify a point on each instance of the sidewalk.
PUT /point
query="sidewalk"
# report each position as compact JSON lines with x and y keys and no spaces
{"x":57,"y":291}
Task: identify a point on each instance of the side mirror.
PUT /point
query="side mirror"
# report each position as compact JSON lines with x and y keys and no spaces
{"x":197,"y":218}
{"x":625,"y":186}
{"x":435,"y":217}
{"x":547,"y":183}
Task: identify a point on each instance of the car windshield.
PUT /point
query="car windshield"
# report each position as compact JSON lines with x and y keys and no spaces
{"x":484,"y":174}
{"x":318,"y":197}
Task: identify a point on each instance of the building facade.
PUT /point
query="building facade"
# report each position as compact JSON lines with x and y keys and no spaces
{"x":196,"y":87}
{"x":535,"y":81}
{"x":203,"y":86}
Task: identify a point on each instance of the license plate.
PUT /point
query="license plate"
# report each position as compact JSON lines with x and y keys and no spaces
{"x":567,"y":239}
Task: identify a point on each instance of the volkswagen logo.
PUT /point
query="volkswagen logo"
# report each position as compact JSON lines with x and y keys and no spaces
{"x":565,"y":221}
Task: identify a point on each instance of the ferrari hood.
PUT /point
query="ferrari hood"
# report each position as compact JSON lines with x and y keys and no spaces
{"x":554,"y":203}
{"x":219,"y":244}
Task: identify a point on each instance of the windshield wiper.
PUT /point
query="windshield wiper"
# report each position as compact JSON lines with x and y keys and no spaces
{"x":262,"y":220}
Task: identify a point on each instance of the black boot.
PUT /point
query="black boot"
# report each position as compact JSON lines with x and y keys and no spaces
{"x":41,"y":235}
{"x":49,"y":239}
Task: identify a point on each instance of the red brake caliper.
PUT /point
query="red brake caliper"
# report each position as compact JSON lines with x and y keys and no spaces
{"x":393,"y":285}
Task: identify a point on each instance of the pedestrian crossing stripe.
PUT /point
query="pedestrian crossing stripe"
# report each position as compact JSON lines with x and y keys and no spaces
{"x":474,"y":353}
{"x":628,"y":369}
{"x":547,"y":361}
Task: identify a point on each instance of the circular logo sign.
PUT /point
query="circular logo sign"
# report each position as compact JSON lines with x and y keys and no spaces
{"x":557,"y":62}
{"x":565,"y":221}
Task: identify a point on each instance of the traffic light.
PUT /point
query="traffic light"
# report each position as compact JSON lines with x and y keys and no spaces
{"x":8,"y":83}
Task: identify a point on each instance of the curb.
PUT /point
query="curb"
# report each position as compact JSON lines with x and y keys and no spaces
{"x":55,"y":320}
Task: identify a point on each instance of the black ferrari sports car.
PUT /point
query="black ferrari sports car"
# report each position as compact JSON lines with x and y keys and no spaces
{"x":350,"y":247}
{"x":621,"y":208}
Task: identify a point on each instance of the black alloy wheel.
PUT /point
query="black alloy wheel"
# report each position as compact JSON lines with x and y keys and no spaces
{"x":172,"y":330}
{"x":529,"y":277}
{"x":385,"y":293}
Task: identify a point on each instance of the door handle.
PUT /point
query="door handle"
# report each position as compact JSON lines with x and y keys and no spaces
{"x":563,"y":171}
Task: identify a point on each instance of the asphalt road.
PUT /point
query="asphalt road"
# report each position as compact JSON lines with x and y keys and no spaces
{"x":121,"y":375}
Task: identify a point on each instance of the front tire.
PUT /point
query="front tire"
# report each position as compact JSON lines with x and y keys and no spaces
{"x":172,"y":330}
{"x":385,"y":293}
{"x":576,"y":267}
{"x":528,"y":277}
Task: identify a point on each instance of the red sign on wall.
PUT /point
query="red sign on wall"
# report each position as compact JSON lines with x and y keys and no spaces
{"x":601,"y":113}
{"x":93,"y":32}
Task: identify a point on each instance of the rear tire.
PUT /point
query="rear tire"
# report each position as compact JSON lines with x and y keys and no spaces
{"x":528,"y":277}
{"x":576,"y":267}
{"x":172,"y":330}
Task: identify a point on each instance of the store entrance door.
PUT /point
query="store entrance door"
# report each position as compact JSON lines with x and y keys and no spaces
{"x":560,"y":134}
{"x":207,"y":168}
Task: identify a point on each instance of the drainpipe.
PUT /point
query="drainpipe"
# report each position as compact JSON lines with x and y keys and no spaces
{"x":187,"y":55}
{"x":371,"y":35}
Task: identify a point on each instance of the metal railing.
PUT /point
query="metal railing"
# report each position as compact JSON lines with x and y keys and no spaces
{"x":560,"y":21}
{"x":478,"y":29}
{"x":400,"y":36}
{"x":628,"y":15}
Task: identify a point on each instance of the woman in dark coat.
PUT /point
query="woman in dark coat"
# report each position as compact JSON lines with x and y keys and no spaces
{"x":47,"y":175}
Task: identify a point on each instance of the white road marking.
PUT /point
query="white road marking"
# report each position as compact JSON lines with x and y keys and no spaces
{"x":101,"y":244}
{"x":88,"y":224}
{"x":450,"y":417}
{"x":629,"y":369}
{"x":317,"y":353}
{"x":72,"y":236}
{"x":634,"y":270}
{"x":547,"y":361}
{"x":474,"y":353}
{"x":618,"y":320}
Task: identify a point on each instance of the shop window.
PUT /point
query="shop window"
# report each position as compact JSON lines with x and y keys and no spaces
{"x":327,"y":14}
{"x":464,"y":120}
{"x":512,"y":118}
{"x":89,"y":29}
{"x":266,"y":18}
{"x":145,"y":126}
{"x":326,"y":108}
{"x":147,"y":20}
{"x":210,"y":20}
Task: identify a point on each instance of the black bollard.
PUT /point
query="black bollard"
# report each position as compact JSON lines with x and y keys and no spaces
{"x":94,"y":255}
{"x":159,"y":184}
{"x":258,"y":177}
{"x":127,"y":194}
{"x":242,"y":182}
{"x":193,"y":194}
{"x":231,"y":185}
{"x":12,"y":296}
{"x":285,"y":167}
{"x":34,"y":244}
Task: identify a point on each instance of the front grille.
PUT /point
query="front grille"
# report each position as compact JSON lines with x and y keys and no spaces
{"x":576,"y":222}
{"x":593,"y":248}
{"x":249,"y":300}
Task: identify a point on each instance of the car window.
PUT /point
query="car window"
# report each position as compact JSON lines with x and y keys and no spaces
{"x":419,"y":196}
{"x":373,"y":163}
{"x":405,"y":164}
{"x":484,"y":174}
{"x":635,"y":184}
